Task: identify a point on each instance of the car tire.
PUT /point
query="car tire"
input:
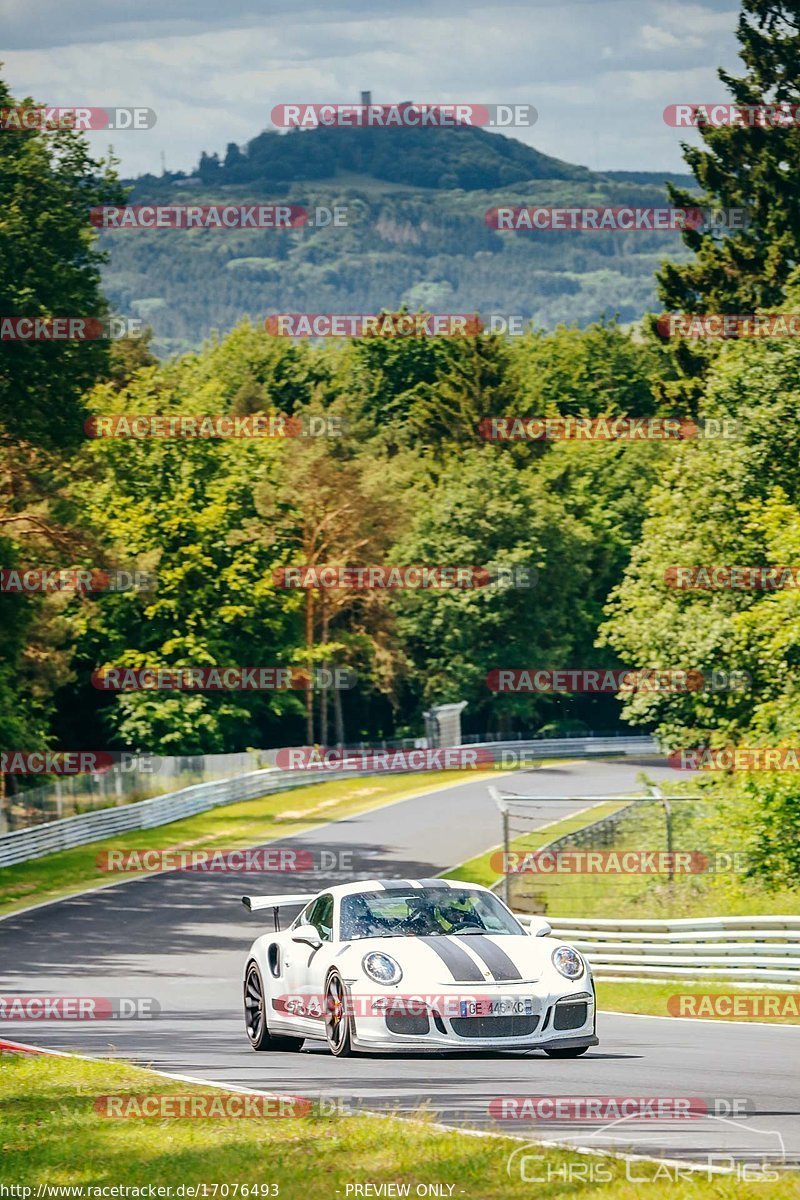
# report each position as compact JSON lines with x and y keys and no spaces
{"x":255,"y":1016}
{"x":338,"y":1023}
{"x":567,"y":1051}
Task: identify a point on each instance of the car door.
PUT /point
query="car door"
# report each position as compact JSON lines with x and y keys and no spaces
{"x":305,"y":967}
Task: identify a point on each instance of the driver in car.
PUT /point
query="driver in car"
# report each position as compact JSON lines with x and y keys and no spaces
{"x":458,"y":914}
{"x":421,"y":920}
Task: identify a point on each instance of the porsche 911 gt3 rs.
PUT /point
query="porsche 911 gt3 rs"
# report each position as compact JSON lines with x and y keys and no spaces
{"x":413,"y":965}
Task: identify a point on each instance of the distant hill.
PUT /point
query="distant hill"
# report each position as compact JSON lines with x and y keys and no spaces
{"x":442,"y":158}
{"x":416,"y":234}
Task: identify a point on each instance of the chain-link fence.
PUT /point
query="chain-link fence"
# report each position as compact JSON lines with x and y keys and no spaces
{"x":134,"y":777}
{"x":637,"y":855}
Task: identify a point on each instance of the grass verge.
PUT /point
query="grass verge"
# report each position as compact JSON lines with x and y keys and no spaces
{"x":229,"y":827}
{"x":51,"y":1134}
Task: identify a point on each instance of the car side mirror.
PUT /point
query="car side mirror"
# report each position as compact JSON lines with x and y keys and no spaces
{"x":308,"y":935}
{"x":539,"y":927}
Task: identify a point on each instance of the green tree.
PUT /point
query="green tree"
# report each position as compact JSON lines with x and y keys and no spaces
{"x":746,"y":166}
{"x":485,"y":512}
{"x":179,"y":509}
{"x":328,"y":507}
{"x":596,"y":371}
{"x":725,"y":503}
{"x":49,"y":266}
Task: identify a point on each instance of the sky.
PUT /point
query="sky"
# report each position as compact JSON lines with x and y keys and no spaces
{"x":599,"y":72}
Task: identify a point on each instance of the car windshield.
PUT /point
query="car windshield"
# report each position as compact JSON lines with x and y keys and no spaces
{"x":424,"y":912}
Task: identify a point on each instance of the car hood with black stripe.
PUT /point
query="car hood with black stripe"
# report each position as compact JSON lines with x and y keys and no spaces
{"x":470,"y":959}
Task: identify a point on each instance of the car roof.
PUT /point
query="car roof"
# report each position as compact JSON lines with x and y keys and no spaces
{"x":402,"y":884}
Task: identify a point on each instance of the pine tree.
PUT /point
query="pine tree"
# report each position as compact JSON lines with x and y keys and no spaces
{"x":746,"y":166}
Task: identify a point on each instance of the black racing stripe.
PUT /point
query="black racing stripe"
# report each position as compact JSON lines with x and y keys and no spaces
{"x":435,"y":883}
{"x":458,"y":962}
{"x":394,"y":885}
{"x":498,"y":962}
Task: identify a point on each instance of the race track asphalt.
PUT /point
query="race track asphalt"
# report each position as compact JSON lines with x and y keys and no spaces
{"x":180,"y":938}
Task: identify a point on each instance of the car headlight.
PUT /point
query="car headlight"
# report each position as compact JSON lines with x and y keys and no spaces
{"x":568,"y":962}
{"x":382,"y":967}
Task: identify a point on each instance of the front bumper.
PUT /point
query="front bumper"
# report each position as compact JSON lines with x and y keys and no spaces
{"x":559,"y":1020}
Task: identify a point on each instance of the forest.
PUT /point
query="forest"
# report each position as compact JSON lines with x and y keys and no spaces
{"x":403,"y":475}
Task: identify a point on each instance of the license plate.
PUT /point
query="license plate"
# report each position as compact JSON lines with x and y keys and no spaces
{"x":497,"y":1008}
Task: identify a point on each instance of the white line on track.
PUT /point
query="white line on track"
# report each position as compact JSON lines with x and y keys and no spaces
{"x":25,"y":1048}
{"x":615,"y":1012}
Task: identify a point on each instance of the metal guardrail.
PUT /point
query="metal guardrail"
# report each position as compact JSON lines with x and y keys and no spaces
{"x":23,"y":844}
{"x":471,"y":739}
{"x":579,"y":747}
{"x":141,"y":776}
{"x":747,"y":949}
{"x":134,"y":777}
{"x":34,"y":842}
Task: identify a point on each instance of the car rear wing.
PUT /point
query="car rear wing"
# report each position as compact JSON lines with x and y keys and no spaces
{"x":284,"y":901}
{"x":276,"y":903}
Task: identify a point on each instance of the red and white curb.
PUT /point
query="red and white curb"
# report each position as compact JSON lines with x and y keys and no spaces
{"x":7,"y":1047}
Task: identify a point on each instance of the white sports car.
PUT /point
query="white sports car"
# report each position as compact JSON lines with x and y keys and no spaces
{"x":413,"y":965}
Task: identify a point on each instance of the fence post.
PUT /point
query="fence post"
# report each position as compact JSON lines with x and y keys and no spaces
{"x":659,"y":795}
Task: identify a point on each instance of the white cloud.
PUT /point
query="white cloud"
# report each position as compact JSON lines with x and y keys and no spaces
{"x":213,"y":73}
{"x":654,"y":38}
